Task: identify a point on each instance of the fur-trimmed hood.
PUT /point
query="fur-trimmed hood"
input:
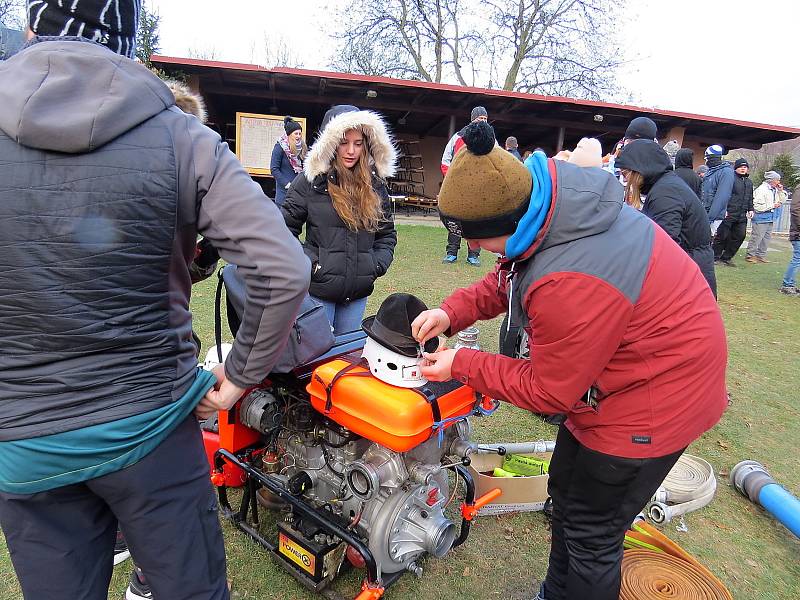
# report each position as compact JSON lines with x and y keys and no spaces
{"x":188,"y":101}
{"x":380,"y":144}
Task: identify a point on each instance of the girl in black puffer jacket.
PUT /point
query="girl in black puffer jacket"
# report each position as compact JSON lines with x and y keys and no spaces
{"x":345,"y":206}
{"x":668,"y":201}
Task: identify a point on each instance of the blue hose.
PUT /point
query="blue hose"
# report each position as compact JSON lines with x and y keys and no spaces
{"x":782,"y":505}
{"x":753,"y":480}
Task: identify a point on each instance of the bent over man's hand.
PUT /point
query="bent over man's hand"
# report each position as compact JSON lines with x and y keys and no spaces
{"x":438,"y":366}
{"x":222,"y":396}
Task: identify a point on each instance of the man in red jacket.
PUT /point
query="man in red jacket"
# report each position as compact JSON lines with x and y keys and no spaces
{"x":626,"y":341}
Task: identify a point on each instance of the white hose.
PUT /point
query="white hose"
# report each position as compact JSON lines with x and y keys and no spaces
{"x":689,"y":485}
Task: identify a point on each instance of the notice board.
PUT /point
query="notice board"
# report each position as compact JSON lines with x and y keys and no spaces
{"x":256,"y":136}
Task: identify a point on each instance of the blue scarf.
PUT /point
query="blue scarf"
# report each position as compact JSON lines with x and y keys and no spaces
{"x":531,"y":222}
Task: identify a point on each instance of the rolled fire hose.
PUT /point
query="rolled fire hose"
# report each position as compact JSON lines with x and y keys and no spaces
{"x":689,"y":485}
{"x":648,"y":575}
{"x":753,"y":480}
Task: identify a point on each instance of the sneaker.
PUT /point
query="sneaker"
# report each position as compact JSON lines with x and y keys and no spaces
{"x":728,"y":263}
{"x":789,"y":290}
{"x":137,"y":589}
{"x":121,"y":552}
{"x":474,"y":261}
{"x":449,"y":259}
{"x":762,"y":260}
{"x":750,"y":259}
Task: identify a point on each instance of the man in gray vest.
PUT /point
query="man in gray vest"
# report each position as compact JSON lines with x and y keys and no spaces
{"x":104,"y":186}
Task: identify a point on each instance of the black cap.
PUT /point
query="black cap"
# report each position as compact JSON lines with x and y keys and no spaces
{"x":290,"y":125}
{"x":741,"y":162}
{"x":641,"y":128}
{"x":335,"y":111}
{"x":391,"y":327}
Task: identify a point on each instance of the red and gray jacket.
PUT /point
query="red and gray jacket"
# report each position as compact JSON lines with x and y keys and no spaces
{"x":625,"y":335}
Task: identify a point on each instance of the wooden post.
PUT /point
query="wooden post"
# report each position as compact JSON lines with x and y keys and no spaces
{"x":452,"y":128}
{"x":560,"y":141}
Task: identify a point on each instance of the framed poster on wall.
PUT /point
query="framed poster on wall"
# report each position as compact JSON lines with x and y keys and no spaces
{"x":256,"y":136}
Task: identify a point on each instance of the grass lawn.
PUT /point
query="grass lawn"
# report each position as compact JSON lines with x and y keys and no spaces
{"x":754,"y":555}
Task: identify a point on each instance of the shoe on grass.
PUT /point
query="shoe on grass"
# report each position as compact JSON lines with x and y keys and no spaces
{"x":728,"y":263}
{"x":121,"y":552}
{"x":762,"y":260}
{"x":789,"y":290}
{"x":750,"y":259}
{"x":449,"y":259}
{"x":138,"y":589}
{"x":474,"y":261}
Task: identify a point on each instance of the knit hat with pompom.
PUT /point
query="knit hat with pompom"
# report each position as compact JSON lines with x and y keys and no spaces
{"x":486,"y":190}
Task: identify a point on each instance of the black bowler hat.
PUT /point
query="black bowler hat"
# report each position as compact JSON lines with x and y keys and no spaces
{"x":391,"y":327}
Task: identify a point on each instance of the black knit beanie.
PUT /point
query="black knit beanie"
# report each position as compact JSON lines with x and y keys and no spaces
{"x":290,"y":125}
{"x":110,"y":22}
{"x":641,"y":128}
{"x":741,"y":162}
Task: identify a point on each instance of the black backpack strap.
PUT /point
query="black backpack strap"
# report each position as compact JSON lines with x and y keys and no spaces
{"x":218,"y":316}
{"x":432,"y":400}
{"x":345,"y":371}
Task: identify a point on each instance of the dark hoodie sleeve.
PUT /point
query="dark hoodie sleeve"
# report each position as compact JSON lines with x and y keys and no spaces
{"x":667,"y":213}
{"x":295,"y":207}
{"x":248,"y":231}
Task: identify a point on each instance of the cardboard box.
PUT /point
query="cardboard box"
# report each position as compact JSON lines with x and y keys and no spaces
{"x":520,"y":494}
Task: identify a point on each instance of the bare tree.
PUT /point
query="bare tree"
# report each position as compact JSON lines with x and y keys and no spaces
{"x":418,"y":39}
{"x":279,"y":53}
{"x":12,"y":14}
{"x":563,"y":47}
{"x":204,"y":53}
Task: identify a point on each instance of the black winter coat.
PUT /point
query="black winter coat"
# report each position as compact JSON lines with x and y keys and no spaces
{"x":671,"y":203}
{"x":344,"y":263}
{"x":684,"y":168}
{"x":741,"y":198}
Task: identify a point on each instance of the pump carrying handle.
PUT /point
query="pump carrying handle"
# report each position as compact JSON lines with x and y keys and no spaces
{"x":470,"y":511}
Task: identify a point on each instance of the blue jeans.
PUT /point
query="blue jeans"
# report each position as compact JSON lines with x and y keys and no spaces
{"x":344,"y":316}
{"x":788,"y":277}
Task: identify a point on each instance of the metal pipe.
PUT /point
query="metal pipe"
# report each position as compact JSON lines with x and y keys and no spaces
{"x":515,"y":448}
{"x":755,"y":482}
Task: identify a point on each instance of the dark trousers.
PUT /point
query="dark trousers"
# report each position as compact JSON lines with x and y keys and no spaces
{"x":454,"y":243}
{"x":729,"y":238}
{"x":62,"y":541}
{"x":595,"y":498}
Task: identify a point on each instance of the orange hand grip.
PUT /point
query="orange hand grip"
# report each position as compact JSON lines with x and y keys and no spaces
{"x":370,"y":593}
{"x":469,"y":511}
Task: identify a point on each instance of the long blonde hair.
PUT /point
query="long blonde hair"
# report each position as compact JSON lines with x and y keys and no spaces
{"x":633,"y":190}
{"x":352,"y":195}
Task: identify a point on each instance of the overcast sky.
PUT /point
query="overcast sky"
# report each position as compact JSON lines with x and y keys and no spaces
{"x":735,"y":59}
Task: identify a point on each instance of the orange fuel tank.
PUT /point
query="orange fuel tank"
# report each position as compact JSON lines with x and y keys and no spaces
{"x":397,"y":418}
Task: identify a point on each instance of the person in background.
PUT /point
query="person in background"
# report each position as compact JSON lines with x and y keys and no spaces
{"x":733,"y":229}
{"x":288,"y":156}
{"x":715,"y":192}
{"x":526,"y":154}
{"x":701,"y":171}
{"x":588,"y":153}
{"x":343,"y":202}
{"x":669,"y":202}
{"x":455,"y":144}
{"x":640,"y":128}
{"x":767,"y":197}
{"x":626,"y":341}
{"x":512,"y":146}
{"x":105,"y":185}
{"x":684,"y":163}
{"x":788,"y":286}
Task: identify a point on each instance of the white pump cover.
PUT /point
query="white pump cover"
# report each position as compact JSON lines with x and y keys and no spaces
{"x":391,"y":367}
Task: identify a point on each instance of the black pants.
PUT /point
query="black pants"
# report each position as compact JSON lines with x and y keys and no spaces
{"x":595,"y":498}
{"x":62,"y":541}
{"x":454,"y":243}
{"x":729,"y":238}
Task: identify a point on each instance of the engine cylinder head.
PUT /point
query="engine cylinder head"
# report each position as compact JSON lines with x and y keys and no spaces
{"x":259,"y":410}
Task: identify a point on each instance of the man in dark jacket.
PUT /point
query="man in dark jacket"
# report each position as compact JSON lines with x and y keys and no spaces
{"x":104,"y":186}
{"x":684,"y":168}
{"x":717,"y":186}
{"x":670,"y":203}
{"x":733,"y":229}
{"x":788,"y":286}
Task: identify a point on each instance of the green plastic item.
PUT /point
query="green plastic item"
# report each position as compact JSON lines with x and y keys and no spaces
{"x":527,"y":466}
{"x":498,"y":472}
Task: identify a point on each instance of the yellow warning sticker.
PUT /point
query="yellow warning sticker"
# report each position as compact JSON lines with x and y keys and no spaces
{"x":296,"y":553}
